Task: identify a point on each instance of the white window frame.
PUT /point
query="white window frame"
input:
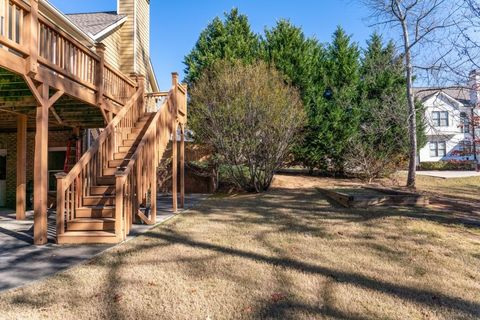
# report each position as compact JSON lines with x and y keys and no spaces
{"x":465,"y":122}
{"x":438,"y":117}
{"x":438,"y":149}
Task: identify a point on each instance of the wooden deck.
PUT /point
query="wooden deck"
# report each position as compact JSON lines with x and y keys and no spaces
{"x":50,"y":79}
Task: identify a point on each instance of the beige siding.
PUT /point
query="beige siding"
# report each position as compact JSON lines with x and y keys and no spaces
{"x":134,"y":53}
{"x":143,"y":35}
{"x":113,"y":47}
{"x":127,"y":40}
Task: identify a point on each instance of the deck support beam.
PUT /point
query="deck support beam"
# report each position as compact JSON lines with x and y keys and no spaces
{"x":182,"y":166}
{"x":174,"y":167}
{"x":40,"y":173}
{"x":174,"y":143}
{"x":21,"y":197}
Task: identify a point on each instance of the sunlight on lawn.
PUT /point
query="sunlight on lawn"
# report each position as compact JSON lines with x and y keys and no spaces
{"x":286,"y":254}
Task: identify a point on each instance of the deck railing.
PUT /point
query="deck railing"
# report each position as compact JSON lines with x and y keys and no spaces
{"x":72,"y":187}
{"x":136,"y":183}
{"x":26,"y":32}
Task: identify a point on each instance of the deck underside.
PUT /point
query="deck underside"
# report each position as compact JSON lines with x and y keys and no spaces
{"x":16,"y":98}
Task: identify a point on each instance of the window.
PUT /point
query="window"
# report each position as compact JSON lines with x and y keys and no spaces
{"x":438,"y":149}
{"x":440,"y":118}
{"x":465,"y":122}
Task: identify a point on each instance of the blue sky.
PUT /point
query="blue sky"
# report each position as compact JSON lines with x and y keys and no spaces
{"x":177,"y":24}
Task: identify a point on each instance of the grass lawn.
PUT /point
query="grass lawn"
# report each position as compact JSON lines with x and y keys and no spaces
{"x":287,"y":254}
{"x":462,"y":188}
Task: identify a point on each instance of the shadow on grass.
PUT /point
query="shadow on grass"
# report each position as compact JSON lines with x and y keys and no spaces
{"x":424,"y":297}
{"x":282,"y":210}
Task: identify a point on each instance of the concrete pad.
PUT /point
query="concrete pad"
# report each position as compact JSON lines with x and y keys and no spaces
{"x":22,"y":263}
{"x":449,"y":174}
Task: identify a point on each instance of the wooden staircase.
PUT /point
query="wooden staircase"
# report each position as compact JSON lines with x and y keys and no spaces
{"x":115,"y":180}
{"x":94,"y":222}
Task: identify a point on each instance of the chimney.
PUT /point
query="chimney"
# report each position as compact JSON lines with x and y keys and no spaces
{"x":474,"y":85}
{"x":135,"y":36}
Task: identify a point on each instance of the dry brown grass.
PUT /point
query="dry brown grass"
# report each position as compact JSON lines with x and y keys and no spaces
{"x":461,"y":188}
{"x":287,"y":254}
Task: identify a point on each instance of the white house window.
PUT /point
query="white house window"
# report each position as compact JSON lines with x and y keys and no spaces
{"x":438,"y":149}
{"x":440,"y":118}
{"x":465,"y":122}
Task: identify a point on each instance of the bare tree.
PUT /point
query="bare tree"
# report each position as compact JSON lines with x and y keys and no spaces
{"x":418,"y":23}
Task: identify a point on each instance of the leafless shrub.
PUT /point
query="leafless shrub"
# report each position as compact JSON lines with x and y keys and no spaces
{"x":250,"y":117}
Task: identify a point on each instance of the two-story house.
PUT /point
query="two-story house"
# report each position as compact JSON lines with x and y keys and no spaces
{"x":448,"y":117}
{"x":62,"y":77}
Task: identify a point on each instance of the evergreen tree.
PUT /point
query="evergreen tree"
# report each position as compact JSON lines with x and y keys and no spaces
{"x":300,"y":59}
{"x":334,"y":121}
{"x":293,"y":54}
{"x":381,"y":144}
{"x":230,"y":40}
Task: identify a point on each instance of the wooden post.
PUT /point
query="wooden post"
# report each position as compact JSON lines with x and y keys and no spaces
{"x":31,"y":38}
{"x":141,"y":82}
{"x":119,"y":219}
{"x":155,"y":160}
{"x":21,"y":166}
{"x":78,"y":146}
{"x":100,"y":50}
{"x":60,"y":203}
{"x":41,"y":169}
{"x":182,"y":166}
{"x":112,"y":145}
{"x":174,"y":143}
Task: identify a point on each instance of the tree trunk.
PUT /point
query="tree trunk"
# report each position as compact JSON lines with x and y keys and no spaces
{"x":412,"y":112}
{"x":474,"y":138}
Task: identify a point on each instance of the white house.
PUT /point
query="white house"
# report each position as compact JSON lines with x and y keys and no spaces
{"x":448,"y":114}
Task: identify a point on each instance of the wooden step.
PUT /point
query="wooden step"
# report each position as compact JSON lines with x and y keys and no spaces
{"x":102,"y":190}
{"x":132,"y":136}
{"x":122,"y":149}
{"x":141,"y":123}
{"x":106,"y":180}
{"x":81,"y":237}
{"x":109,"y":171}
{"x":117,"y":163}
{"x":130,"y":143}
{"x":89,"y":224}
{"x":120,"y":155}
{"x":100,"y":200}
{"x":137,"y":130}
{"x":95,"y":212}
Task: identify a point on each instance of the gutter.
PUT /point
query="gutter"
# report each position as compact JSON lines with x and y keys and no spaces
{"x":109,"y":29}
{"x":153,"y":76}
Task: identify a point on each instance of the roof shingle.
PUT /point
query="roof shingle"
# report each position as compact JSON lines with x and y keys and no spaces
{"x":95,"y":22}
{"x":462,"y":95}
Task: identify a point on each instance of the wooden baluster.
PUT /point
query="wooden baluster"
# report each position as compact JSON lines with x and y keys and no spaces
{"x":13,"y":22}
{"x":20,"y":26}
